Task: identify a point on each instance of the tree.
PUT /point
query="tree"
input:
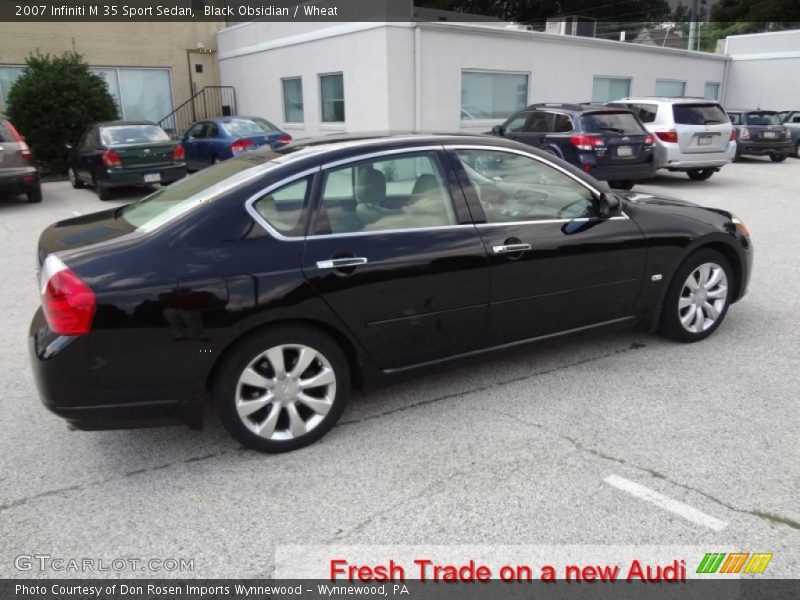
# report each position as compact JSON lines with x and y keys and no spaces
{"x":53,"y":101}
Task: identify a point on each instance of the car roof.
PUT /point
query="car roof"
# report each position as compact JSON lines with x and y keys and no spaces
{"x":575,"y":108}
{"x":670,"y":100}
{"x":747,"y":110}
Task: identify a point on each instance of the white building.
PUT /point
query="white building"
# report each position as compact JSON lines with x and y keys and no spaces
{"x":312,"y":78}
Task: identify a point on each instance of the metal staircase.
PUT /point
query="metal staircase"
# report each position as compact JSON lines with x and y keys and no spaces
{"x":211,"y":101}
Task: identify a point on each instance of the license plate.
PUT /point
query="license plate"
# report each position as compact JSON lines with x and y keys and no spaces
{"x":769,"y":135}
{"x":152,"y":178}
{"x":704,"y":140}
{"x":624,"y":151}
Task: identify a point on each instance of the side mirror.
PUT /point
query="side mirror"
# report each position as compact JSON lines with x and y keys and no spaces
{"x":497,"y":130}
{"x":609,"y":205}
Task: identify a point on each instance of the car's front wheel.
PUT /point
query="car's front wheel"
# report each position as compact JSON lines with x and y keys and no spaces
{"x":282,"y":389}
{"x":797,"y":150}
{"x":777,"y":157}
{"x":700,"y":174}
{"x":698,"y":297}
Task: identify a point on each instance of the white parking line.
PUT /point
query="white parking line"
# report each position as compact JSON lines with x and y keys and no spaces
{"x":679,"y":508}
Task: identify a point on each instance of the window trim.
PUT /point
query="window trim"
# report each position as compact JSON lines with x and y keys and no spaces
{"x":302,"y":99}
{"x":322,"y":121}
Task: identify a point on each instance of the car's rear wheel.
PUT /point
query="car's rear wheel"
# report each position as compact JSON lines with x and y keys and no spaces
{"x":700,"y":174}
{"x":797,"y":150}
{"x":777,"y":157}
{"x":73,"y":179}
{"x":34,"y":193}
{"x":282,"y":389}
{"x":698,"y":297}
{"x":103,"y":192}
{"x":215,"y":159}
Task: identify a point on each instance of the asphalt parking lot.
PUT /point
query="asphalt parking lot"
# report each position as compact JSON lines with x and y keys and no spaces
{"x":521,"y":449}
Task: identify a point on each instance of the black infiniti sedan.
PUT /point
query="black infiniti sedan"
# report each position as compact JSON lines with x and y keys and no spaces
{"x":278,"y":280}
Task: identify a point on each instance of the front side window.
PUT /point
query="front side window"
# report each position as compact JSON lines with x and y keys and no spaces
{"x":395,"y":192}
{"x":283,"y":208}
{"x":512,"y":187}
{"x":492,"y":95}
{"x":516,"y":123}
{"x":608,"y":89}
{"x":196,"y":130}
{"x":293,"y":100}
{"x":332,"y":98}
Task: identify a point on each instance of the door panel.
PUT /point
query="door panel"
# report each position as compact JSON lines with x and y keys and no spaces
{"x":387,"y":253}
{"x":555,"y":263}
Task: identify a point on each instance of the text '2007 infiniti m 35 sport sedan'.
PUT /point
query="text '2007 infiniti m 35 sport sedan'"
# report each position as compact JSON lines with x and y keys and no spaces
{"x":278,"y":280}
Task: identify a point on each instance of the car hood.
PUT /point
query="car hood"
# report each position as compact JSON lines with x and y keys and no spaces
{"x":644,"y":198}
{"x":82,"y":231}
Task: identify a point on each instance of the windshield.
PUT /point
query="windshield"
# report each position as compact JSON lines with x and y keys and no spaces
{"x":622,"y":122}
{"x":699,"y":114}
{"x":132,"y":134}
{"x":204,"y":186}
{"x":763,"y":118}
{"x":249,"y":127}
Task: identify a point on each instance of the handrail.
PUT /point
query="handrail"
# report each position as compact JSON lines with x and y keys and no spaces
{"x":210,"y":101}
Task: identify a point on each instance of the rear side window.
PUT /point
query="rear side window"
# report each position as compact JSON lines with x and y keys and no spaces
{"x":5,"y":133}
{"x":283,"y":208}
{"x":562,"y":124}
{"x":736,"y":118}
{"x":699,"y":114}
{"x":621,"y":122}
{"x":763,"y":118}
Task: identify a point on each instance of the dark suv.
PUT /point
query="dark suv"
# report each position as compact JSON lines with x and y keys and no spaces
{"x":609,"y":143}
{"x":18,"y":174}
{"x":761,"y":132}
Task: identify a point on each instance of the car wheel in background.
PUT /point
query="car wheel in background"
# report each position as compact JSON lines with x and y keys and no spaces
{"x":73,"y":179}
{"x":215,"y":159}
{"x":797,"y":150}
{"x":777,"y":157}
{"x":700,"y":174}
{"x":282,"y":388}
{"x":34,"y":193}
{"x":698,"y":297}
{"x":103,"y":193}
{"x":737,"y":156}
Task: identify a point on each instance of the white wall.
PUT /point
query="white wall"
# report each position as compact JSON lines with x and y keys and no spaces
{"x":764,"y":71}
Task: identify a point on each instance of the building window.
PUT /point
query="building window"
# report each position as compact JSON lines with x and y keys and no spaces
{"x":712,"y":90}
{"x":670,"y":89}
{"x":492,"y":95}
{"x":331,"y":90}
{"x":8,"y":76}
{"x":293,"y":100}
{"x":608,"y":89}
{"x":140,"y":94}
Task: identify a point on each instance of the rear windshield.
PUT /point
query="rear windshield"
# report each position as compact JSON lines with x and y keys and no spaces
{"x":249,"y":127}
{"x":699,"y":114}
{"x":5,"y":133}
{"x":763,"y":118}
{"x":132,"y":134}
{"x":622,"y":122}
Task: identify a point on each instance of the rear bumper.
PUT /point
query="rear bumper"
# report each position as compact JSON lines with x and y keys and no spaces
{"x":760,"y":148}
{"x":670,"y":156}
{"x":63,"y":371}
{"x":136,"y":176}
{"x":18,"y":180}
{"x":629,"y":172}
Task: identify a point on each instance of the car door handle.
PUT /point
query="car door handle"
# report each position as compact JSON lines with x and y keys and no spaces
{"x":511,"y":248}
{"x":338,"y":263}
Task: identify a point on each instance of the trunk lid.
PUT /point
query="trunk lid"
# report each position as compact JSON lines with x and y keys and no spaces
{"x":145,"y":155}
{"x":82,"y":231}
{"x":701,"y":127}
{"x":624,"y":138}
{"x":765,"y":126}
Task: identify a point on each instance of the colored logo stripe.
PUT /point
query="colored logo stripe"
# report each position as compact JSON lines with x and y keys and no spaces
{"x":710,"y":562}
{"x":713,"y":562}
{"x":758,"y":563}
{"x":734,"y":562}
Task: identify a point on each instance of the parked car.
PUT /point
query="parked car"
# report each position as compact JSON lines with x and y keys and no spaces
{"x":609,"y":143}
{"x":761,"y":132}
{"x":693,"y":135}
{"x":124,"y":153}
{"x":791,"y":119}
{"x":18,"y":174}
{"x":279,"y":279}
{"x":213,"y":140}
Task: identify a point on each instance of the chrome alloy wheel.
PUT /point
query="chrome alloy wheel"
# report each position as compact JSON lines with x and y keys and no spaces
{"x":703,"y":297}
{"x":285,"y":392}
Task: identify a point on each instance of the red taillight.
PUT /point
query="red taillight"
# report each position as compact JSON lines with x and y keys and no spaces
{"x":670,"y":137}
{"x":586,"y":142}
{"x":744,"y":133}
{"x":240,"y":146}
{"x":285,"y":139}
{"x":649,"y":140}
{"x":68,"y":303}
{"x":732,"y":138}
{"x":587,"y":167}
{"x":24,"y":151}
{"x":178,"y":154}
{"x":111,"y":159}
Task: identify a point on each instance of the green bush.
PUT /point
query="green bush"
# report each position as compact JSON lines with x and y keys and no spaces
{"x":53,"y":101}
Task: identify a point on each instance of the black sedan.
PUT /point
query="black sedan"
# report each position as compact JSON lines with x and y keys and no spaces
{"x":277,"y":280}
{"x":124,"y":153}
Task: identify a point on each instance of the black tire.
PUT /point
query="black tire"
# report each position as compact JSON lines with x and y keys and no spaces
{"x":737,"y":156}
{"x":797,"y":150}
{"x":700,"y":174}
{"x":34,"y":193}
{"x":103,"y":193}
{"x":670,"y":324}
{"x":225,"y":386}
{"x":777,"y":157}
{"x":215,"y":159}
{"x":74,"y":180}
